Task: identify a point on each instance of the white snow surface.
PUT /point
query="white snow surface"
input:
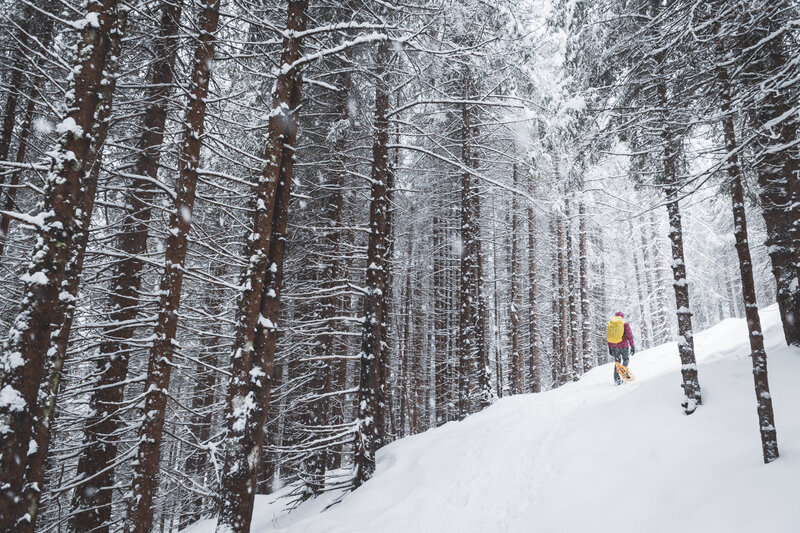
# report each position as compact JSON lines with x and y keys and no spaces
{"x":590,"y":456}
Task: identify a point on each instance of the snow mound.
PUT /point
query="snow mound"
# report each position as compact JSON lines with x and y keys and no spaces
{"x":590,"y":456}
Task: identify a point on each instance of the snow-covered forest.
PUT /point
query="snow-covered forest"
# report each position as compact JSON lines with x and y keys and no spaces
{"x":247,"y":244}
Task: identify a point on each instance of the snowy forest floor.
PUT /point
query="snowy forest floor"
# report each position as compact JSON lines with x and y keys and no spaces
{"x":590,"y":456}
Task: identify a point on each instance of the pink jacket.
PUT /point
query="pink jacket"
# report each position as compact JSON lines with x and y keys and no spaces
{"x":627,"y":337}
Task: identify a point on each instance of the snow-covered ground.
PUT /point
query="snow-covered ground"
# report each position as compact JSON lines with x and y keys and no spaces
{"x":592,"y":457}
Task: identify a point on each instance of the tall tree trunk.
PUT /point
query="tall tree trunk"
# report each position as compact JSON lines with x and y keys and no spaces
{"x":205,"y":381}
{"x":329,"y":410}
{"x":498,"y":340}
{"x":602,"y":346}
{"x":441,"y":310}
{"x":91,"y":509}
{"x":517,"y":371}
{"x":534,"y":357}
{"x":334,"y":271}
{"x":644,"y":341}
{"x":385,"y":415}
{"x":24,"y":356}
{"x":563,"y":309}
{"x":576,"y":361}
{"x":407,"y":407}
{"x":483,"y":370}
{"x":368,"y":438}
{"x":583,"y":264}
{"x":777,"y":168}
{"x":467,"y":305}
{"x":555,"y":309}
{"x":691,"y":385}
{"x":766,"y":419}
{"x":145,"y":472}
{"x":49,"y":388}
{"x":257,"y":318}
{"x":417,"y":353}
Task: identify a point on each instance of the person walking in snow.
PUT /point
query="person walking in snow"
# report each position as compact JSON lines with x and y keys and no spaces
{"x":620,"y":341}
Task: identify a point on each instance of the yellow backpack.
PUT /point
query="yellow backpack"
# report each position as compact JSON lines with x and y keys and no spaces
{"x":615,"y":330}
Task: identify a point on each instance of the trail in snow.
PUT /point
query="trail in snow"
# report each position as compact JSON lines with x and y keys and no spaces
{"x":591,"y":456}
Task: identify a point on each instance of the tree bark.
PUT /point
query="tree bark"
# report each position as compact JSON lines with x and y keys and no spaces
{"x":534,"y":361}
{"x":777,"y":166}
{"x":498,"y":340}
{"x":91,"y":509}
{"x":563,"y":309}
{"x":144,"y":483}
{"x":23,"y":360}
{"x":49,"y":388}
{"x":368,"y":438}
{"x":440,"y":320}
{"x":766,"y":419}
{"x":691,"y":385}
{"x":517,"y":372}
{"x":583,"y":264}
{"x":257,"y":318}
{"x":576,"y":361}
{"x":645,"y":334}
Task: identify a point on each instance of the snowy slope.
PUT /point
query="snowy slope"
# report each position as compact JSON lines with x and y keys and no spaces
{"x":590,"y":456}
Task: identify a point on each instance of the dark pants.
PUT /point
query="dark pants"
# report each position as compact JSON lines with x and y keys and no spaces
{"x":620,"y":355}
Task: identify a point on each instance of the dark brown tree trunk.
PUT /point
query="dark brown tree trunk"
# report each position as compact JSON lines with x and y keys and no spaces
{"x":517,"y":371}
{"x":467,"y":306}
{"x":30,"y":338}
{"x":440,"y":320}
{"x":777,"y":168}
{"x":368,"y":438}
{"x":576,"y":361}
{"x":407,"y":407}
{"x":588,"y":359}
{"x":644,"y":341}
{"x":145,"y":472}
{"x":49,"y":388}
{"x":481,"y":364}
{"x":766,"y":419}
{"x":691,"y":385}
{"x":385,"y":415}
{"x":256,"y":330}
{"x":602,"y":346}
{"x":418,"y":412}
{"x":498,"y":341}
{"x":91,"y":509}
{"x":329,"y":410}
{"x":334,"y":270}
{"x":563,"y":308}
{"x":555,"y":306}
{"x":205,"y":381}
{"x":534,"y":361}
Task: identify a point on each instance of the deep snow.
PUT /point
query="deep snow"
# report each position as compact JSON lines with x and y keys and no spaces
{"x":590,"y":456}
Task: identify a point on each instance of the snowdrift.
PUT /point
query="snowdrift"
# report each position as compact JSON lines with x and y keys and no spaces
{"x":590,"y":456}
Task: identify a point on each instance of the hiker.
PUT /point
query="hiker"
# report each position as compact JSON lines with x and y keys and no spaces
{"x":620,"y":339}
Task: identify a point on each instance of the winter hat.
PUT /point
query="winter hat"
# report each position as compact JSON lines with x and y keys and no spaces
{"x":620,"y":314}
